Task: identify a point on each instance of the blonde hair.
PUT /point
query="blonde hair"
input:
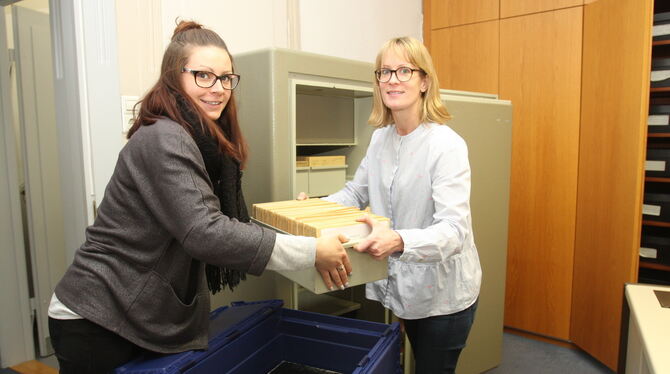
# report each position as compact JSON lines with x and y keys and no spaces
{"x":432,"y":109}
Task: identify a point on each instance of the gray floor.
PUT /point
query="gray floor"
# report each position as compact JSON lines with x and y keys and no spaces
{"x":522,"y":355}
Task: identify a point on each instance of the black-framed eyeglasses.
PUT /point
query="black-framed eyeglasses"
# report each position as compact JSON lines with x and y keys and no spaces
{"x":402,"y":73}
{"x":207,"y":79}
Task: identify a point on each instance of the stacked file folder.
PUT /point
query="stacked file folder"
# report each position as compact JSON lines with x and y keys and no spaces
{"x":312,"y":217}
{"x":316,"y":217}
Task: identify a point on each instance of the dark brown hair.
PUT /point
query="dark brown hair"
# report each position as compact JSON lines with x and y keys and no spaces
{"x":161,"y":100}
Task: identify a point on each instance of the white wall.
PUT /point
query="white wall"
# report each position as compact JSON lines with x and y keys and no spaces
{"x":350,"y":29}
{"x":244,"y":25}
{"x":356,"y":29}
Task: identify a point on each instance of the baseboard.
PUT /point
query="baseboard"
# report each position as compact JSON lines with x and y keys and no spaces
{"x":33,"y":367}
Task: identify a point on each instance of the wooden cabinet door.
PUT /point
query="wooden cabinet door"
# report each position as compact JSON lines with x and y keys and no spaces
{"x":512,"y":8}
{"x":466,"y":57}
{"x":540,"y":72}
{"x":445,"y":13}
{"x":615,"y":93}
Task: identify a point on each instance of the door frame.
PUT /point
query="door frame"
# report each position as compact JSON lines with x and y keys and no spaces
{"x":85,"y":58}
{"x":83,"y":38}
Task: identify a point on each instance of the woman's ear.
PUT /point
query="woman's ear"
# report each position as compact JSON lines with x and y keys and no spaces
{"x":425,"y":84}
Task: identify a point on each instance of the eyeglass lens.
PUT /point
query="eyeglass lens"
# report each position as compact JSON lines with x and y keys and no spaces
{"x":206,"y":79}
{"x":403,"y":74}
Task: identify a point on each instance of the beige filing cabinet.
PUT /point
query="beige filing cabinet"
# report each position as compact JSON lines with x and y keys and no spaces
{"x":292,"y":103}
{"x":486,"y":125}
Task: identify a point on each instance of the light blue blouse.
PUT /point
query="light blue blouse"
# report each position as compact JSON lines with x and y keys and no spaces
{"x":421,"y":181}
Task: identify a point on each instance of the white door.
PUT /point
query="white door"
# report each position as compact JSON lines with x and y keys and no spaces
{"x":16,"y":339}
{"x":35,"y":86}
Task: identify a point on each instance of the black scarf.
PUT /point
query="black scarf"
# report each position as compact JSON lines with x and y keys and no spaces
{"x":226,"y":177}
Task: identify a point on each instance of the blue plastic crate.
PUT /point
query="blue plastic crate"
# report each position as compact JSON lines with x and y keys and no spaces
{"x":255,"y":337}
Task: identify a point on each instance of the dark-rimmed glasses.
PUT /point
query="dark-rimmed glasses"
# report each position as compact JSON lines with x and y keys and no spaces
{"x":402,"y":73}
{"x":207,"y":79}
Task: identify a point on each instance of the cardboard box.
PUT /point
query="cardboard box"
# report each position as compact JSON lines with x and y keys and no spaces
{"x":323,"y":160}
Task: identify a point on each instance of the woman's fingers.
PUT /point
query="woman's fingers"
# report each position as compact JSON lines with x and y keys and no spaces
{"x":332,"y":261}
{"x":348,"y":269}
{"x":335,"y":278}
{"x":367,"y":219}
{"x":326,"y":279}
{"x":363,"y":245}
{"x":339,"y":277}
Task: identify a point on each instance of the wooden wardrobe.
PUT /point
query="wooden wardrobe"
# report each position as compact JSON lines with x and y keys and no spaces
{"x":577,"y":73}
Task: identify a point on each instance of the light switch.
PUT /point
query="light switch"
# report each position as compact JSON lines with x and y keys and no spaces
{"x":127,"y":104}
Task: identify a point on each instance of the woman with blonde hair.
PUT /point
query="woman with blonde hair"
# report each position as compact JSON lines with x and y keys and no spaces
{"x":416,"y":172}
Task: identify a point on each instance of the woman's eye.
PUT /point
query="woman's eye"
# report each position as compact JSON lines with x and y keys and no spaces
{"x":404,"y":70}
{"x":203,"y":75}
{"x":225,"y":78}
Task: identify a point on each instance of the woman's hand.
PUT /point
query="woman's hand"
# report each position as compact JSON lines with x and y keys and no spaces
{"x":302,"y":196}
{"x":332,"y":261}
{"x":382,"y":241}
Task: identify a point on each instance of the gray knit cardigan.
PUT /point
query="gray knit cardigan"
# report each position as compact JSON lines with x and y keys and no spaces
{"x":140,"y":272}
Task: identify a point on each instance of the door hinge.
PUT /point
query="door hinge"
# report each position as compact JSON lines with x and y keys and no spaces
{"x":33,"y":307}
{"x":12,"y":60}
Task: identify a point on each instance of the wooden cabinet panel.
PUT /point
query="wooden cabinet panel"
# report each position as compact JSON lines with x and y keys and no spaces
{"x":540,"y":72}
{"x":427,"y":24}
{"x":445,"y":13}
{"x":466,"y":57}
{"x":615,"y":92}
{"x":511,"y":8}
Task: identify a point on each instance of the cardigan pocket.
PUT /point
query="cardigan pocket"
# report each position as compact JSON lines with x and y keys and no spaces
{"x":159,"y":317}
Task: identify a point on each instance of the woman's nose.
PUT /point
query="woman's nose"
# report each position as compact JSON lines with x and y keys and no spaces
{"x":217,"y":87}
{"x":394,"y":78}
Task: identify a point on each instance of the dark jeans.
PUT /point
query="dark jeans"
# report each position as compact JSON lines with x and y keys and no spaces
{"x":82,"y":347}
{"x":438,"y":341}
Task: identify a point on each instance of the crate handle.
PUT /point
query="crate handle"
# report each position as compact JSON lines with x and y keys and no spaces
{"x":364,"y":360}
{"x":337,"y":329}
{"x":233,"y":334}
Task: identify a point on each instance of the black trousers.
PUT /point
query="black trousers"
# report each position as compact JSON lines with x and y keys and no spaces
{"x":82,"y":347}
{"x":437,"y":341}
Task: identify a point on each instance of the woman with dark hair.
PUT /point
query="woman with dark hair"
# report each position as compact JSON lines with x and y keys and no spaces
{"x":173,"y":224}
